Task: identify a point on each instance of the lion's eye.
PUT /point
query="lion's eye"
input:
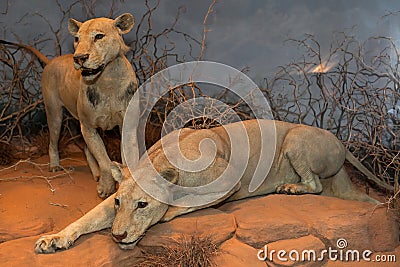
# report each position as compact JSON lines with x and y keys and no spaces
{"x":76,"y":39}
{"x":98,"y":36}
{"x":116,"y":202}
{"x":142,"y":205}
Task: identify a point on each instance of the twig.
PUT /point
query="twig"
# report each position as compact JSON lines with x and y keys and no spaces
{"x":205,"y":30}
{"x":39,"y":167}
{"x":58,"y":205}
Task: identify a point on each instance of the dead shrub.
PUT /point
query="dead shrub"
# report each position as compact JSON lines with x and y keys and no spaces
{"x":112,"y":142}
{"x":6,"y":154}
{"x":394,"y":205}
{"x":41,"y":143}
{"x":186,"y":251}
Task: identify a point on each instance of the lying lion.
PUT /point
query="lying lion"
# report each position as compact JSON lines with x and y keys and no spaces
{"x":95,"y":85}
{"x":303,"y":156}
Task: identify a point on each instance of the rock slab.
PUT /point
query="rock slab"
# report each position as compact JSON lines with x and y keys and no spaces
{"x":242,"y":229}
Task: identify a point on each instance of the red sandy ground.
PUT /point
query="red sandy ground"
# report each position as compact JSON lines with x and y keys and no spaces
{"x":29,"y":205}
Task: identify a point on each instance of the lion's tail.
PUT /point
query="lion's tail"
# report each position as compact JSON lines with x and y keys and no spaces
{"x":356,"y":163}
{"x":43,"y":60}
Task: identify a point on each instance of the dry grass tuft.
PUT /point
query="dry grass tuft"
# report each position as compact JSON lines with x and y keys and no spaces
{"x":186,"y":251}
{"x":6,"y":154}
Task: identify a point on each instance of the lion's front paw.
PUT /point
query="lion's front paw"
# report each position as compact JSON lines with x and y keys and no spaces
{"x":50,"y":243}
{"x":105,"y":191}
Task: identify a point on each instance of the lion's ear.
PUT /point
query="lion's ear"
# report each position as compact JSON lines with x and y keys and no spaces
{"x":117,"y":171}
{"x":73,"y":26}
{"x":124,"y":23}
{"x":171,"y":175}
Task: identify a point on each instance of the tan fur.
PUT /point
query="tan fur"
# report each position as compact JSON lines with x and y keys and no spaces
{"x":95,"y":85}
{"x":299,"y":164}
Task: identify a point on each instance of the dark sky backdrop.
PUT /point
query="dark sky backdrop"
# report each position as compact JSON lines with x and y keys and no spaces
{"x":244,"y":33}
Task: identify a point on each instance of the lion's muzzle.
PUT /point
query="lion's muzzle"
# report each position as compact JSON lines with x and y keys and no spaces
{"x":80,"y":59}
{"x":119,"y":238}
{"x":87,"y":73}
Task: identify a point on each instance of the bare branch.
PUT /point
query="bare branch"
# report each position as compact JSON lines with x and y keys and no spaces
{"x":205,"y":30}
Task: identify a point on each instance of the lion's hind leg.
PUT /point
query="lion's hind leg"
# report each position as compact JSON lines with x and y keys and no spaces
{"x":54,"y":115}
{"x":309,"y":181}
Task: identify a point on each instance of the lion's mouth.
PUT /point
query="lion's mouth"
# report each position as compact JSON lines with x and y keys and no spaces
{"x":128,"y":245}
{"x":86,"y":72}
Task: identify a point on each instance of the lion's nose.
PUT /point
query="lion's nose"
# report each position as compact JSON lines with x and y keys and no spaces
{"x":119,"y":238}
{"x":80,"y":59}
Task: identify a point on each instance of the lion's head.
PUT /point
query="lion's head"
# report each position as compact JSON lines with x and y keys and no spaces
{"x":98,"y":42}
{"x":136,"y":211}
